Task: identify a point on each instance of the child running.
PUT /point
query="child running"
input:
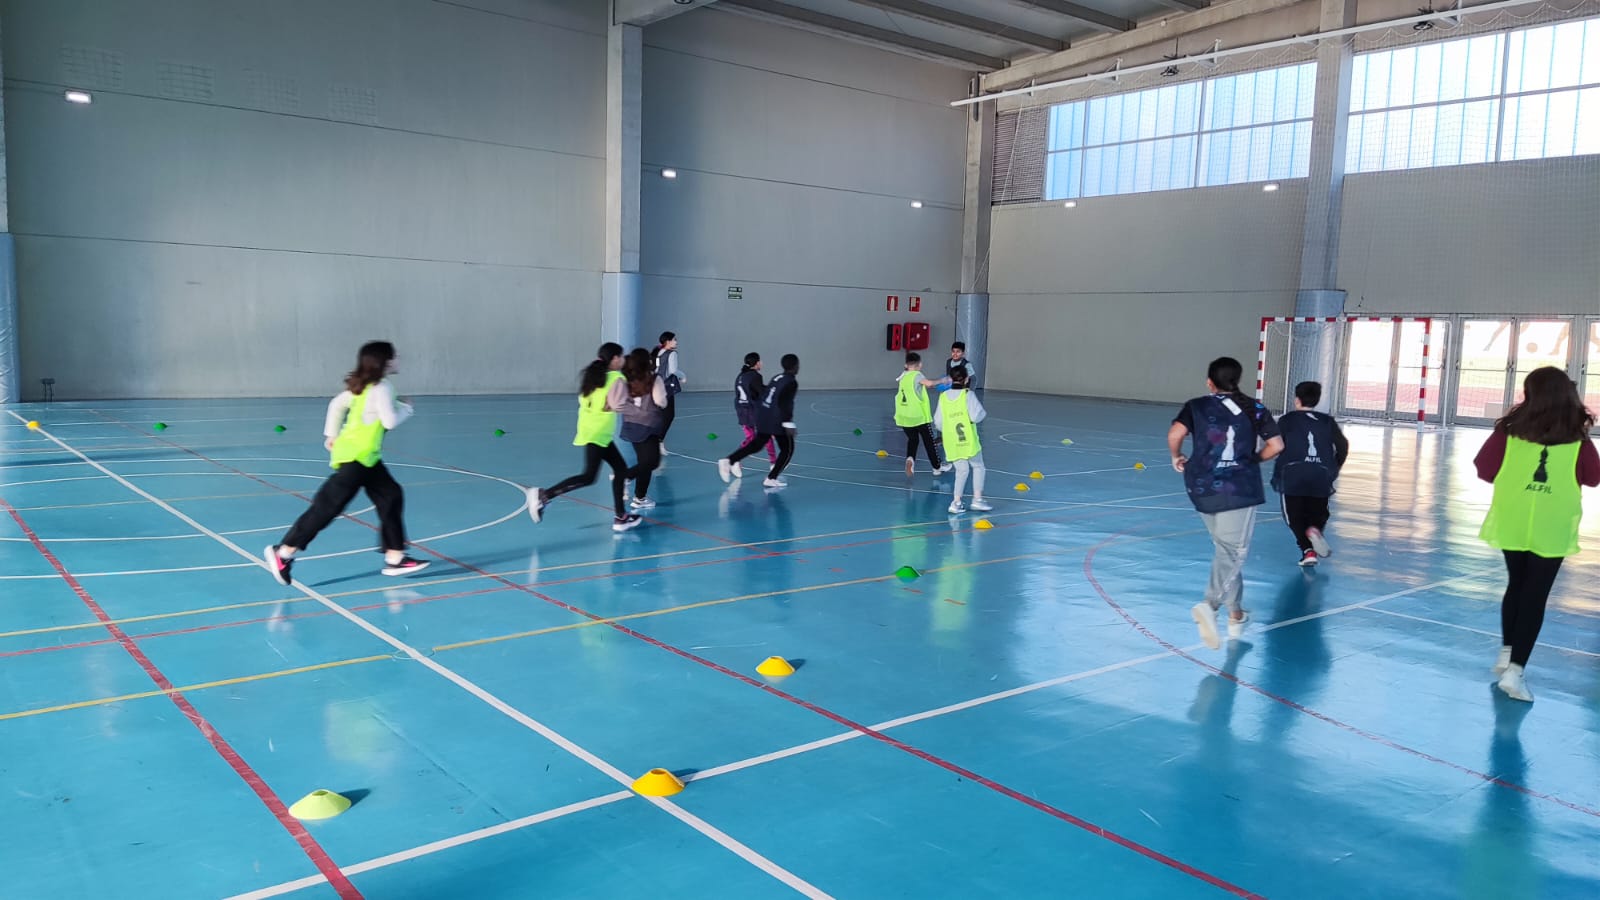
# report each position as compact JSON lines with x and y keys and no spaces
{"x":640,"y":398}
{"x":357,"y":421}
{"x":1223,"y":478}
{"x":597,"y":422}
{"x":774,"y":421}
{"x":957,"y":418}
{"x":914,"y":414}
{"x":665,"y":360}
{"x":1537,"y":457}
{"x":747,"y":391}
{"x":1304,"y":474}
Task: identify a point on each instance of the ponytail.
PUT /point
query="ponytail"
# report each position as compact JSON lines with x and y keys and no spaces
{"x":595,"y":373}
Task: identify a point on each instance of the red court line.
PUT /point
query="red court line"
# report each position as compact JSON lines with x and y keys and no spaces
{"x":1088,"y":572}
{"x":1041,"y":806}
{"x":318,"y":856}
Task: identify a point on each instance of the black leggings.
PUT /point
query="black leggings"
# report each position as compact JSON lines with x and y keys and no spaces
{"x":667,"y":415}
{"x":924,"y":432}
{"x":1303,"y":513}
{"x":593,"y":456}
{"x":649,"y":453}
{"x":337,"y":492}
{"x":1522,"y":610}
{"x":785,"y":439}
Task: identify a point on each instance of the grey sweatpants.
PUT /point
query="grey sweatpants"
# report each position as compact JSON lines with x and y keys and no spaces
{"x":1230,"y":534}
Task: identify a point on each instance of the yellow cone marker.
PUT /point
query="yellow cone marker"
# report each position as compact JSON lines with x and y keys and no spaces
{"x":1022,"y":486}
{"x":882,"y":453}
{"x":983,"y":524}
{"x":657,"y":783}
{"x":33,"y":426}
{"x":1138,"y":465}
{"x":775,"y":667}
{"x":319,"y":805}
{"x":1036,"y":475}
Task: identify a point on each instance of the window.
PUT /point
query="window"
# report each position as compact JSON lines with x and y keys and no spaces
{"x":1528,"y":94}
{"x":1255,"y":126}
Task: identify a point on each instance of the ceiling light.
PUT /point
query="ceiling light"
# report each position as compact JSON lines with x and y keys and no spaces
{"x":916,"y":204}
{"x":1270,"y":186}
{"x":669,"y":173}
{"x":82,"y":97}
{"x":1071,"y":204}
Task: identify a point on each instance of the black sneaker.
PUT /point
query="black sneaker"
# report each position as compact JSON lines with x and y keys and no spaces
{"x":623,"y":523}
{"x":406,"y":566}
{"x":277,"y":565}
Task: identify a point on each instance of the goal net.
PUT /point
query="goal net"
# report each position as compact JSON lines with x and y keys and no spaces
{"x":1378,"y":367}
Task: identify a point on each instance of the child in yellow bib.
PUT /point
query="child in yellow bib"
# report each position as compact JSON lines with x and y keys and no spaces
{"x":1537,"y":458}
{"x":957,"y":420}
{"x":597,"y":425}
{"x":357,"y":421}
{"x":913,"y":413}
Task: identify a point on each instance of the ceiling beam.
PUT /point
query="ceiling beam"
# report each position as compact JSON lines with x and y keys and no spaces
{"x":851,"y":30}
{"x":1101,"y":47}
{"x":1184,"y":5}
{"x":940,"y":15}
{"x":1092,"y":17}
{"x":643,"y":12}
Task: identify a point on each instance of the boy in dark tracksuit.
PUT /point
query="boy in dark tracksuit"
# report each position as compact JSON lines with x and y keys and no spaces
{"x":1314,"y":450}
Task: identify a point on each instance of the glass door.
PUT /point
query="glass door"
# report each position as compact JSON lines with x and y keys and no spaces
{"x":1369,"y":369}
{"x":1408,"y":368}
{"x":1589,"y":368}
{"x":1483,"y":382}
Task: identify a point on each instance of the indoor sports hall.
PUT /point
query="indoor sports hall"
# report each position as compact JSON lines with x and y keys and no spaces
{"x":300,"y":595}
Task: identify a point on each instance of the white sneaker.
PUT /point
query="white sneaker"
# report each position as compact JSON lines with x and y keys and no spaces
{"x":536,"y":504}
{"x":1514,"y":686}
{"x":978,"y":504}
{"x":1205,"y":618}
{"x":774,"y":483}
{"x":1236,"y":626}
{"x":625,"y":522}
{"x":911,"y":466}
{"x":957,"y":509}
{"x":643,"y":503}
{"x":1319,"y":542}
{"x":725,"y":469}
{"x":1502,"y":662}
{"x":945,"y":469}
{"x":738,"y":470}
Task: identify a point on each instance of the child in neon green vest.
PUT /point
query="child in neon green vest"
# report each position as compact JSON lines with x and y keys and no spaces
{"x":597,"y":425}
{"x":1537,"y":458}
{"x":957,"y":420}
{"x":357,"y":421}
{"x":913,"y":412}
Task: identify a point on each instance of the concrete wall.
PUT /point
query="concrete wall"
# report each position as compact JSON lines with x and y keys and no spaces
{"x":798,"y":158}
{"x":259,"y":187}
{"x":1130,"y":296}
{"x":1501,"y":238}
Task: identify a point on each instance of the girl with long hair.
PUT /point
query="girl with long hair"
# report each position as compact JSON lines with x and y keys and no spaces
{"x":1538,"y":458}
{"x":640,"y":397}
{"x":597,"y":423}
{"x":357,"y":420}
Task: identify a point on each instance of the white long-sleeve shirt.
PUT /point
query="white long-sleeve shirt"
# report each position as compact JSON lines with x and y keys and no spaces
{"x":669,"y":365}
{"x":619,"y":395}
{"x":975,"y":410}
{"x":381,"y":407}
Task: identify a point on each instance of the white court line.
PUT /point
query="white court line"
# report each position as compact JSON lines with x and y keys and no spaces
{"x":1493,"y":634}
{"x":683,"y":815}
{"x":289,"y":887}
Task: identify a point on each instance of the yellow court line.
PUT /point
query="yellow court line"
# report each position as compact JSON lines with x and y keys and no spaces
{"x":193,"y":687}
{"x":421,"y":583}
{"x":590,"y":623}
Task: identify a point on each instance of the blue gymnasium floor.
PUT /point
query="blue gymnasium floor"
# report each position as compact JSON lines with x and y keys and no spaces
{"x":1033,"y":717}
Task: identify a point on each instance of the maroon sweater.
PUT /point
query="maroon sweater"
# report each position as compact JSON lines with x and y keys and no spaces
{"x":1493,"y":453}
